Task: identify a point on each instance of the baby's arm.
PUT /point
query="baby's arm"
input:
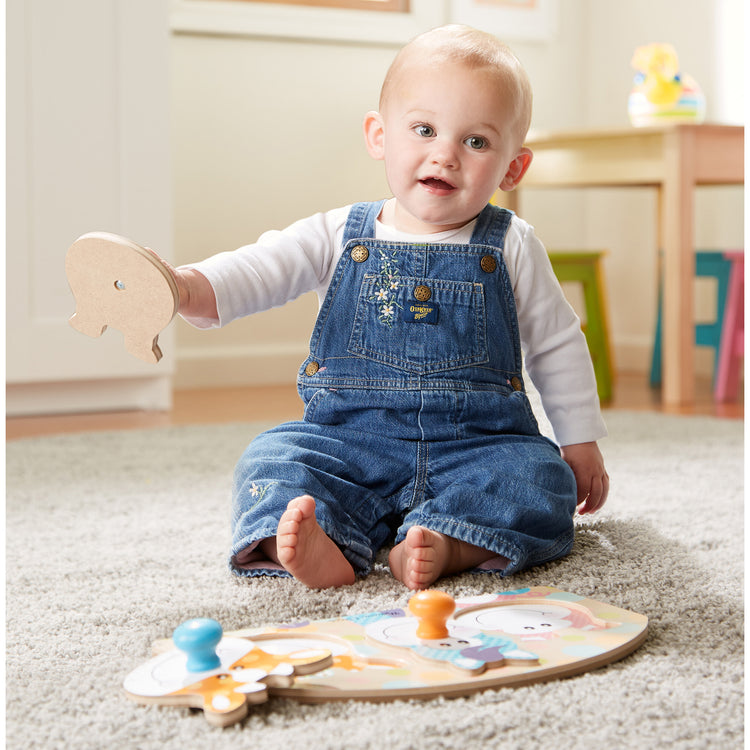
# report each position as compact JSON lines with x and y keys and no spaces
{"x":279,"y":267}
{"x":591,"y":477}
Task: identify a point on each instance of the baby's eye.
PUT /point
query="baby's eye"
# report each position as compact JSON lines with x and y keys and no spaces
{"x":426,"y":131}
{"x":476,"y":142}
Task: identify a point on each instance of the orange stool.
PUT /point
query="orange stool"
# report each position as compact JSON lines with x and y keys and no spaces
{"x":732,"y":346}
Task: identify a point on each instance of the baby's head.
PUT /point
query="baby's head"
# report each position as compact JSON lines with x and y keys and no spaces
{"x":476,"y":50}
{"x":454,"y":111}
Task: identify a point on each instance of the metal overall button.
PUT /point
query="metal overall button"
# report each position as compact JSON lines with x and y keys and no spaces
{"x":360,"y":253}
{"x":488,"y":263}
{"x":311,"y":369}
{"x":515,"y":382}
{"x":422,"y":293}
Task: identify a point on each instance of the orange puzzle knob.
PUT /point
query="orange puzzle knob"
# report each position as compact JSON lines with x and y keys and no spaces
{"x":432,"y":609}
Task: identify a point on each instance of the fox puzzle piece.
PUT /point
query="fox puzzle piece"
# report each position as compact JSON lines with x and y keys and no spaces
{"x":438,"y":647}
{"x":120,"y":284}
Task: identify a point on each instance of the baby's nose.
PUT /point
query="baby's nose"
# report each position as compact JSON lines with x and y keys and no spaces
{"x":445,"y":154}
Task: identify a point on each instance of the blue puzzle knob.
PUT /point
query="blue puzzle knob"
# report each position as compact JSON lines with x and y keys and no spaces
{"x":198,"y":639}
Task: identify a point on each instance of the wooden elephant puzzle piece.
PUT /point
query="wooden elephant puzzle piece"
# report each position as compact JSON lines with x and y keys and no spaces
{"x":499,"y":640}
{"x":120,"y":284}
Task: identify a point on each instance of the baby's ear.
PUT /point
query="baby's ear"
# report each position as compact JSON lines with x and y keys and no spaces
{"x":517,"y":169}
{"x":374,"y":135}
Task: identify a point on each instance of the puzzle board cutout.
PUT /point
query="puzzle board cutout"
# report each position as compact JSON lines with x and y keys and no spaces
{"x":507,"y":639}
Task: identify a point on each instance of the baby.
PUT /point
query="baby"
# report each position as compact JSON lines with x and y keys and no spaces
{"x":417,"y":429}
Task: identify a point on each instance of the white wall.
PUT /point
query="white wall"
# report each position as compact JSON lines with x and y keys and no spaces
{"x":267,"y":130}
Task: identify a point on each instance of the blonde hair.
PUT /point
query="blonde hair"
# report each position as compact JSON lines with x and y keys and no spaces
{"x":476,"y":50}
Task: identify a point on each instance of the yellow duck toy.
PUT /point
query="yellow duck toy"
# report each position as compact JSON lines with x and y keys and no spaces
{"x":661,"y":94}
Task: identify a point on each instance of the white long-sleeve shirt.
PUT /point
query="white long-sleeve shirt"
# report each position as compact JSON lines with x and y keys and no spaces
{"x":282,"y":265}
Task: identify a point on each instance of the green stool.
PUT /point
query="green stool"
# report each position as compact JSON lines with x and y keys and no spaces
{"x":585,"y":267}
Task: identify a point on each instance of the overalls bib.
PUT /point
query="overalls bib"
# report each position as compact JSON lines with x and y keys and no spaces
{"x":415,"y":411}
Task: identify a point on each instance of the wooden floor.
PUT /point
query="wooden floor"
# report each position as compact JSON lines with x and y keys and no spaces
{"x":281,"y":403}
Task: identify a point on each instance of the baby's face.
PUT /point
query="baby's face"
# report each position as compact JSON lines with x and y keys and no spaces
{"x":448,"y":141}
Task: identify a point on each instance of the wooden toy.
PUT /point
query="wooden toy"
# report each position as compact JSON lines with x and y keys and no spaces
{"x":438,"y":647}
{"x":120,"y":284}
{"x":222,"y":676}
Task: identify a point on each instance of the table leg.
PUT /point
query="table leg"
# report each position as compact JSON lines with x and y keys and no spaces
{"x":677,"y":221}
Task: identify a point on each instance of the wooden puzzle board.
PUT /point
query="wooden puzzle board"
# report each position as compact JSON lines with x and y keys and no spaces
{"x":508,"y":639}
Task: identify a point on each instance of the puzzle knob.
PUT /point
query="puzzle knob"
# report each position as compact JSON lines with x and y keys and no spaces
{"x":198,"y":639}
{"x":432,"y":610}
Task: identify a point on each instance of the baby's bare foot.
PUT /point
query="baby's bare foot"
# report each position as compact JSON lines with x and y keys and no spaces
{"x":306,"y":551}
{"x":426,"y":555}
{"x":418,"y":560}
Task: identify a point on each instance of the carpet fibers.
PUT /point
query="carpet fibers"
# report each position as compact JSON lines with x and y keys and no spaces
{"x":113,"y":539}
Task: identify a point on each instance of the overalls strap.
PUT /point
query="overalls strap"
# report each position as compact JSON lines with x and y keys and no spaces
{"x":491,"y":227}
{"x":361,"y":221}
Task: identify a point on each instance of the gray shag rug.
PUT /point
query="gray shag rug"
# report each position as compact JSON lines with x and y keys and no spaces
{"x":114,"y":539}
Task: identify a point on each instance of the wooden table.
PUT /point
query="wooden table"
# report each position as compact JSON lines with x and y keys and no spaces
{"x":674,"y":159}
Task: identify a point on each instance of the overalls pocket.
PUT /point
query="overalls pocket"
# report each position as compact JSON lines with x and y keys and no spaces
{"x":420,"y":325}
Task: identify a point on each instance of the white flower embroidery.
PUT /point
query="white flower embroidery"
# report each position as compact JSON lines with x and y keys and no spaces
{"x":257,"y":492}
{"x":385,"y":296}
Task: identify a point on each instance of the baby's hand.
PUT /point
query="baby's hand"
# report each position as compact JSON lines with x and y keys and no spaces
{"x":196,"y":295}
{"x":591,"y":477}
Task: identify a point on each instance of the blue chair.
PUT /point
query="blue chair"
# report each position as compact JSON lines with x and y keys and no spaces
{"x":711,"y":265}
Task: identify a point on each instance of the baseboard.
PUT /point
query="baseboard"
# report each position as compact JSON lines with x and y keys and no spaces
{"x":635,"y":356}
{"x":202,"y":368}
{"x":238,"y":367}
{"x":84,"y":396}
{"x":198,"y":369}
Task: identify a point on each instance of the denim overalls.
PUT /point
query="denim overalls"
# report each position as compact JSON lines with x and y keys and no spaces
{"x":415,"y":411}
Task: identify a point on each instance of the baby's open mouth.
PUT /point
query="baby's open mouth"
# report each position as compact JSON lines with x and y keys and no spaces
{"x":436,"y":184}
